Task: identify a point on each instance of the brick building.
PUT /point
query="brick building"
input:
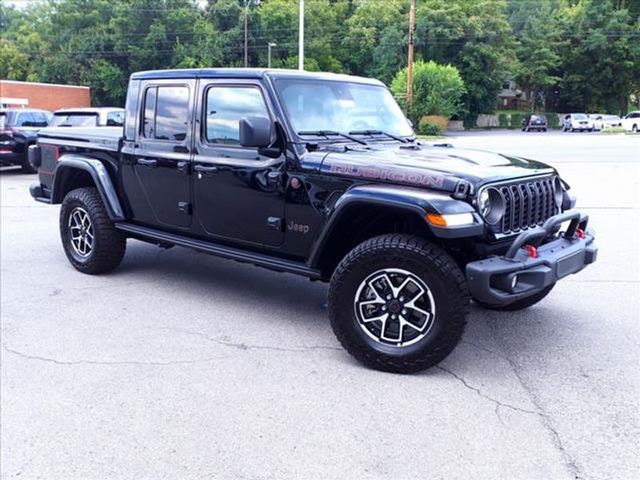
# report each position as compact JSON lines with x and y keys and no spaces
{"x":47,"y":96}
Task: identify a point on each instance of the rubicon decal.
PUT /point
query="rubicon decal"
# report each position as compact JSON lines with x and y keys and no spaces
{"x":374,"y":173}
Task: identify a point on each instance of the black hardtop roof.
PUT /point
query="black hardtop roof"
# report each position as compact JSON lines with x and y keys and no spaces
{"x":240,"y":73}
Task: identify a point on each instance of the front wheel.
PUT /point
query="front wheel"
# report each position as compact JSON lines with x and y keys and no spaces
{"x":90,"y":240}
{"x":398,"y":303}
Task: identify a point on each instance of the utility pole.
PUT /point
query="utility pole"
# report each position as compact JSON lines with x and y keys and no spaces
{"x":246,"y":34}
{"x":412,"y":26}
{"x":270,"y":45}
{"x":301,"y":37}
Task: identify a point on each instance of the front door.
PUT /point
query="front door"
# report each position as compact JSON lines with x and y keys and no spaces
{"x":157,"y":175}
{"x":237,"y":191}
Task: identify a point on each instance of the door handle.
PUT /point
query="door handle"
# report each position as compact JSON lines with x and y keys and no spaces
{"x":206,"y":169}
{"x":146,"y":162}
{"x":183,"y":167}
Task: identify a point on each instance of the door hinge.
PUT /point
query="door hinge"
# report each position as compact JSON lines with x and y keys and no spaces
{"x":184,"y":207}
{"x":274,"y":223}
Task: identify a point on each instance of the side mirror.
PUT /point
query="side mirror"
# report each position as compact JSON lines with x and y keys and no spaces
{"x":255,"y":132}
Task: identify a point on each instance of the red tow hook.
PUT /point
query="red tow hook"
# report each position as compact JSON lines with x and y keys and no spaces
{"x":533,"y":252}
{"x":580,"y":232}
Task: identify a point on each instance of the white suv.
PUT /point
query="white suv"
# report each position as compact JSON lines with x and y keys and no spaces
{"x":631,"y":122}
{"x":576,"y":121}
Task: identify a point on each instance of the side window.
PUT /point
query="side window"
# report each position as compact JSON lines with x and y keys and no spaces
{"x":225,"y":107}
{"x":166,"y":113}
{"x":115,"y":119}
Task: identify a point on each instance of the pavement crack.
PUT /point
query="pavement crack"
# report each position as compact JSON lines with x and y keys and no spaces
{"x":498,"y":403}
{"x":569,"y":461}
{"x":105,"y":362}
{"x":248,"y":346}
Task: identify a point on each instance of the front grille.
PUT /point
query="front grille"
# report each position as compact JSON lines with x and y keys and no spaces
{"x":528,"y":204}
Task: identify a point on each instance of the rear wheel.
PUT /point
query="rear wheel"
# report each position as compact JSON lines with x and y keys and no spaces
{"x":90,"y":240}
{"x":520,"y":304}
{"x":398,"y":303}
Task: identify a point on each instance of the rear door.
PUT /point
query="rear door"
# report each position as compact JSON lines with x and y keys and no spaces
{"x":157,"y":175}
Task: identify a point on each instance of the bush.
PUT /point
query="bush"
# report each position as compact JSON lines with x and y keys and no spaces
{"x":429,"y":128}
{"x":437,"y":119}
{"x":437,"y":89}
{"x":553,"y":120}
{"x":516,"y":120}
{"x":503,"y":120}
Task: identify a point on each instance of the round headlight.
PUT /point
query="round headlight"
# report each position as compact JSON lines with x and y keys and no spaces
{"x":483,"y":203}
{"x":491,"y":205}
{"x":557,"y":192}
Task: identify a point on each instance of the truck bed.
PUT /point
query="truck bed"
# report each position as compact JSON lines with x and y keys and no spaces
{"x":103,"y":138}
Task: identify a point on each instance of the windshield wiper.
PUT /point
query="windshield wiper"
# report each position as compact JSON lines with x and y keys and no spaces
{"x":378,"y":132}
{"x":328,"y":133}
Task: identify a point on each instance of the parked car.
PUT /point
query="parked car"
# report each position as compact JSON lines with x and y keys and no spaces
{"x":88,"y":117}
{"x":577,"y":122}
{"x":18,"y":130}
{"x":283,"y":173}
{"x":631,"y":121}
{"x":534,"y":122}
{"x":602,"y":121}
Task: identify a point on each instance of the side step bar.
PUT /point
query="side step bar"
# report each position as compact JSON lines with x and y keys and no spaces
{"x":259,"y":259}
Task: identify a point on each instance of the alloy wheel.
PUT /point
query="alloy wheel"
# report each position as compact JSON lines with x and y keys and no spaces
{"x":81,"y":232}
{"x":394,"y":307}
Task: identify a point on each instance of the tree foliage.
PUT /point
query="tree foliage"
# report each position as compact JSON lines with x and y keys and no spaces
{"x":566,"y":54}
{"x":437,"y":89}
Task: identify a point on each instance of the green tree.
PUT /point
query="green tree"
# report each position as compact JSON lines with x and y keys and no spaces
{"x":437,"y":90}
{"x":539,"y":38}
{"x":475,"y":37}
{"x":600,"y":59}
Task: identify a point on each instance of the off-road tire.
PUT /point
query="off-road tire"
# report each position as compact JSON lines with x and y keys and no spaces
{"x":519,"y":304}
{"x":424,"y":260}
{"x":109,"y":244}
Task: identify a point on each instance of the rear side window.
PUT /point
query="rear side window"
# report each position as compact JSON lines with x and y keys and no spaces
{"x":131,"y":109}
{"x":40,"y":119}
{"x":24,"y":119}
{"x":226,"y":106}
{"x":166,"y":113}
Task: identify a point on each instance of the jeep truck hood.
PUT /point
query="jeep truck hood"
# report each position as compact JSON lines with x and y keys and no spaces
{"x":438,"y":167}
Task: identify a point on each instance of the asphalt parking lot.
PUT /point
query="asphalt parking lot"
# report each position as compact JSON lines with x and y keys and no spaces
{"x":180,"y":365}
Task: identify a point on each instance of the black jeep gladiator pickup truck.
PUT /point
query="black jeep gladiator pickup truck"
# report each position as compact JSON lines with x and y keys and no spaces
{"x":319,"y":175}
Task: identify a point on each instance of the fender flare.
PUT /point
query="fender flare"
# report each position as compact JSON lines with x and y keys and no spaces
{"x":68,"y":163}
{"x":413,"y":200}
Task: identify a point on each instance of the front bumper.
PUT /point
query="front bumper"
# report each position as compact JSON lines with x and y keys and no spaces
{"x":501,"y":280}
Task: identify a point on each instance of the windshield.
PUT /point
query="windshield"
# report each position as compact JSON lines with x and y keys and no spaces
{"x":321,"y":105}
{"x":74,"y":120}
{"x":579,"y":116}
{"x":3,"y":120}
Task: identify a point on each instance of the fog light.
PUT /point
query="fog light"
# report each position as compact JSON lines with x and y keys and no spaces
{"x":514,"y":282}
